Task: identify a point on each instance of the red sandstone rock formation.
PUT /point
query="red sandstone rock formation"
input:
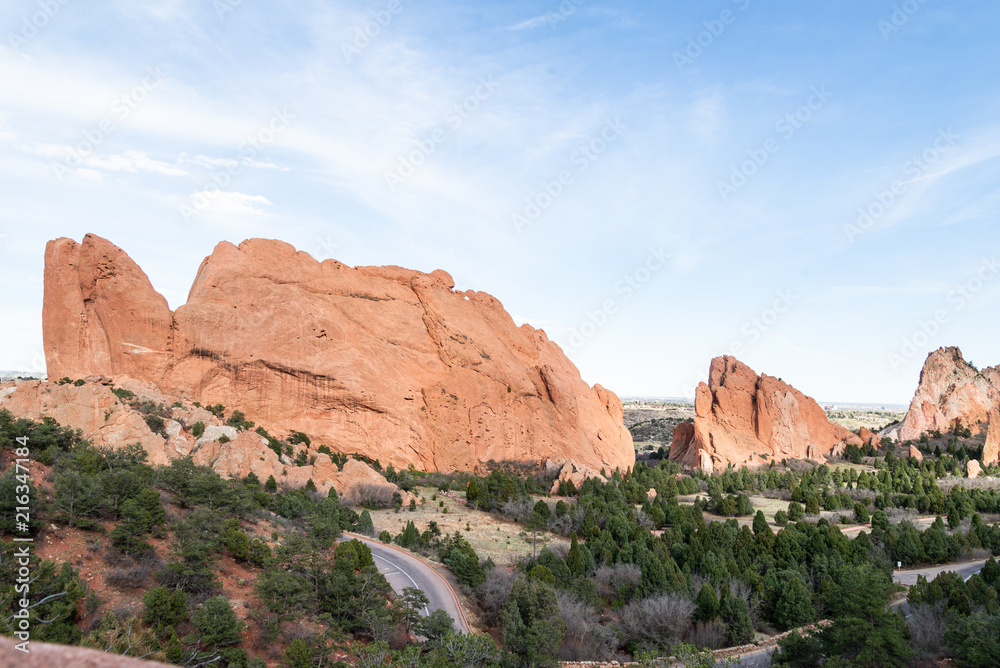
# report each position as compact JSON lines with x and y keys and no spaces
{"x":991,"y":450}
{"x":106,"y":421}
{"x":50,"y":655}
{"x":385,"y":361}
{"x":916,"y":454}
{"x":741,"y":418}
{"x":950,"y":391}
{"x":868,"y":437}
{"x":575,"y":475}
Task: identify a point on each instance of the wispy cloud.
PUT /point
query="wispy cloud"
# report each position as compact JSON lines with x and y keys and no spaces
{"x":230,"y":203}
{"x":533,"y":22}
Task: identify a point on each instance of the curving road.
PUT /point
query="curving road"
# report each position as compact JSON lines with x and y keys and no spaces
{"x":965,"y":569}
{"x":909,"y":577}
{"x":762,"y":656}
{"x":403,"y":569}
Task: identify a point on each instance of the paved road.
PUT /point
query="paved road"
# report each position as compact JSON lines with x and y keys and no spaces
{"x":965,"y":569}
{"x":909,"y":577}
{"x":402,"y":569}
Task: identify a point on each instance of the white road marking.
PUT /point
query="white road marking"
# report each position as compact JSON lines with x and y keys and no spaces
{"x":426,"y":613}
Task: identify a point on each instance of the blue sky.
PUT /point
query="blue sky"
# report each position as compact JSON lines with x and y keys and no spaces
{"x":810,"y":185}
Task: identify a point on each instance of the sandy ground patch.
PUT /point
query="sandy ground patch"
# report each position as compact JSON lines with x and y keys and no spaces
{"x":490,"y":537}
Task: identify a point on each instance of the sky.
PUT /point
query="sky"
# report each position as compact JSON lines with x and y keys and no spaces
{"x":809,"y":186}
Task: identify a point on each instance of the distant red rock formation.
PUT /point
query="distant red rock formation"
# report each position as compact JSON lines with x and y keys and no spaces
{"x":951,"y":391}
{"x":389,"y":362}
{"x":868,"y":436}
{"x":748,"y":420}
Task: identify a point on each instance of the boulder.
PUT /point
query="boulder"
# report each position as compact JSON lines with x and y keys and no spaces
{"x":973,"y":469}
{"x":951,"y":391}
{"x":748,"y":420}
{"x":391,"y":363}
{"x":916,"y":454}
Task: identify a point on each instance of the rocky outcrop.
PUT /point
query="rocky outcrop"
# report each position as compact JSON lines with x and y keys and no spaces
{"x":868,"y":437}
{"x":973,"y":469}
{"x":991,"y":449}
{"x":107,"y":421}
{"x":748,"y":420}
{"x":570,"y":473}
{"x":50,"y":655}
{"x":385,"y":361}
{"x":916,"y":454}
{"x":93,"y":409}
{"x":951,"y":391}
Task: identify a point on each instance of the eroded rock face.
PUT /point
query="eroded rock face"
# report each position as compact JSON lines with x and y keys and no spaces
{"x":107,"y":421}
{"x":93,"y":409}
{"x":973,"y":469}
{"x":991,"y":449}
{"x":951,"y":390}
{"x":748,"y":420}
{"x":868,"y":436}
{"x":384,"y":361}
{"x":916,"y":454}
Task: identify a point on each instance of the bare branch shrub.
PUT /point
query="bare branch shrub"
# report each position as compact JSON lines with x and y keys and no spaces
{"x":926,"y":624}
{"x":372,"y":495}
{"x":644,"y":520}
{"x":711,"y":635}
{"x":563,"y":526}
{"x":614,"y":581}
{"x":658,"y":621}
{"x":585,"y":639}
{"x":131,"y":573}
{"x":517,"y":509}
{"x":494,"y":593}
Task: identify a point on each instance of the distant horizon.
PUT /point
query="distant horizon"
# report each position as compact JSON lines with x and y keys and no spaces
{"x":837,"y":404}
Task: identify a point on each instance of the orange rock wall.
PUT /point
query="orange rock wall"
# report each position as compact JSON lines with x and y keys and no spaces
{"x":385,"y":361}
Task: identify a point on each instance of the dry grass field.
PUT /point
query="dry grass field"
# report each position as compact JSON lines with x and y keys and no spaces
{"x":873,"y":419}
{"x":491,"y":537}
